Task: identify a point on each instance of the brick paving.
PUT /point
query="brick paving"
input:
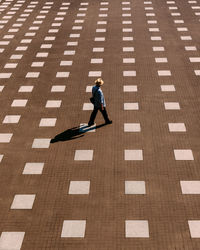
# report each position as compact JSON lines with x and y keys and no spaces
{"x":134,"y":184}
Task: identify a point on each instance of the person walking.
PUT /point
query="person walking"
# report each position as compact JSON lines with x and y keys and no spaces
{"x":99,"y":103}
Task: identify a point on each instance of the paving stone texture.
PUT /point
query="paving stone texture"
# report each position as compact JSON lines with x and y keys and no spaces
{"x":132,"y":185}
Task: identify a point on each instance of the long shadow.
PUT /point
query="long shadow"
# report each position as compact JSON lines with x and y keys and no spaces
{"x":74,"y":133}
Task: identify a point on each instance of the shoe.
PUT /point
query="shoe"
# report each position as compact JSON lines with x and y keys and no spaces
{"x":108,"y":122}
{"x":90,"y":124}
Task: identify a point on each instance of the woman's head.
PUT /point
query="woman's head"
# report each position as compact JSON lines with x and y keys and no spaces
{"x":99,"y":82}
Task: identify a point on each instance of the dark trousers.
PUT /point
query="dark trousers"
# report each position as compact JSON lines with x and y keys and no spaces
{"x":94,"y":113}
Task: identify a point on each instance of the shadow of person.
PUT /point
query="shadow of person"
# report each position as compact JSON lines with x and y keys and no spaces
{"x":74,"y":133}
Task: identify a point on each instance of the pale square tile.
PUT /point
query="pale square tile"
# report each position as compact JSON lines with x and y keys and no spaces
{"x":53,"y":104}
{"x":164,"y":72}
{"x":127,"y":30}
{"x":197,"y":72}
{"x":186,"y":38}
{"x":128,"y":49}
{"x":183,"y":155}
{"x":194,"y":226}
{"x":23,"y":201}
{"x":8,"y":36}
{"x":32,"y":74}
{"x":5,"y":137}
{"x":132,"y":127}
{"x":66,"y":63}
{"x":1,"y":158}
{"x":37,"y":64}
{"x":62,"y":74}
{"x":42,"y":54}
{"x":72,"y":44}
{"x":19,"y":103}
{"x":49,"y":38}
{"x":26,"y":41}
{"x":190,"y":48}
{"x":69,"y":52}
{"x":1,"y":50}
{"x":88,"y":106}
{"x":94,"y":73}
{"x":79,"y":187}
{"x":33,"y":168}
{"x":99,"y":39}
{"x":172,"y":105}
{"x":83,"y":155}
{"x":10,"y":65}
{"x":73,"y":229}
{"x":156,"y":38}
{"x":21,"y":48}
{"x":128,"y":60}
{"x":74,"y":35}
{"x":46,"y":46}
{"x":11,"y":119}
{"x":154,"y":29}
{"x":1,"y":88}
{"x":47,"y":122}
{"x":152,"y":21}
{"x":131,"y":106}
{"x":79,"y":21}
{"x":41,"y":143}
{"x":135,"y":187}
{"x":133,"y":155}
{"x":130,"y":88}
{"x":195,"y":59}
{"x":89,"y":88}
{"x":177,"y":127}
{"x":161,"y":60}
{"x":96,"y":60}
{"x":100,"y":30}
{"x":137,"y":229}
{"x":58,"y":88}
{"x":127,"y":22}
{"x":5,"y":75}
{"x":182,"y":29}
{"x":129,"y":73}
{"x":168,"y":88}
{"x":11,"y":240}
{"x":102,"y":22}
{"x":25,"y":89}
{"x":190,"y":187}
{"x":84,"y":128}
{"x":30,"y":34}
{"x":16,"y":57}
{"x":127,"y":38}
{"x":176,"y":14}
{"x":98,"y":50}
{"x":4,"y":42}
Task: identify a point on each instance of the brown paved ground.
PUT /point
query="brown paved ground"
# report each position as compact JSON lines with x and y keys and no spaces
{"x":106,"y":208}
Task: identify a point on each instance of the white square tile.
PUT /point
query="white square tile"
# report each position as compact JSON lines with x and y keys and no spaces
{"x":79,"y":187}
{"x":84,"y":128}
{"x":58,"y":88}
{"x":168,"y":88}
{"x":164,"y":72}
{"x":194,"y":59}
{"x":183,"y":154}
{"x":62,"y":74}
{"x":10,"y":65}
{"x":94,"y":73}
{"x":46,"y":46}
{"x":53,"y":104}
{"x":5,"y":75}
{"x":130,"y":88}
{"x":127,"y":30}
{"x":133,"y":155}
{"x":89,"y":88}
{"x":16,"y":57}
{"x":135,"y":187}
{"x":178,"y":21}
{"x":154,"y":29}
{"x":33,"y":168}
{"x":41,"y":143}
{"x":42,"y":54}
{"x":132,"y":127}
{"x":19,"y":103}
{"x":190,"y":48}
{"x":83,"y":155}
{"x":194,"y":226}
{"x":1,"y":158}
{"x":96,"y":60}
{"x":127,"y":22}
{"x":66,"y":63}
{"x":161,"y":60}
{"x":49,"y":38}
{"x":129,"y":73}
{"x":99,"y":39}
{"x":26,"y":41}
{"x":47,"y":122}
{"x":11,"y":119}
{"x":128,"y":49}
{"x":197,"y":72}
{"x":156,"y":38}
{"x":152,"y":22}
{"x":98,"y":49}
{"x":131,"y":106}
{"x":190,"y":187}
{"x":1,"y":88}
{"x":32,"y":74}
{"x":73,"y":229}
{"x":137,"y":229}
{"x":23,"y":201}
{"x":21,"y":48}
{"x":100,"y":30}
{"x":172,"y":105}
{"x":11,"y":240}
{"x":37,"y":64}
{"x":74,"y":35}
{"x":177,"y":127}
{"x":128,"y":60}
{"x":5,"y":137}
{"x":182,"y":29}
{"x":69,"y":52}
{"x":127,"y":38}
{"x":72,"y":44}
{"x":88,"y":106}
{"x":25,"y":89}
{"x":186,"y":38}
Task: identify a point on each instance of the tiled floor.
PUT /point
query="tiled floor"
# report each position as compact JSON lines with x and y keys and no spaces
{"x":134,"y":184}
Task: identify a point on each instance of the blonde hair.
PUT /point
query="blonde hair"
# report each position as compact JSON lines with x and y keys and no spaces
{"x":99,"y":82}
